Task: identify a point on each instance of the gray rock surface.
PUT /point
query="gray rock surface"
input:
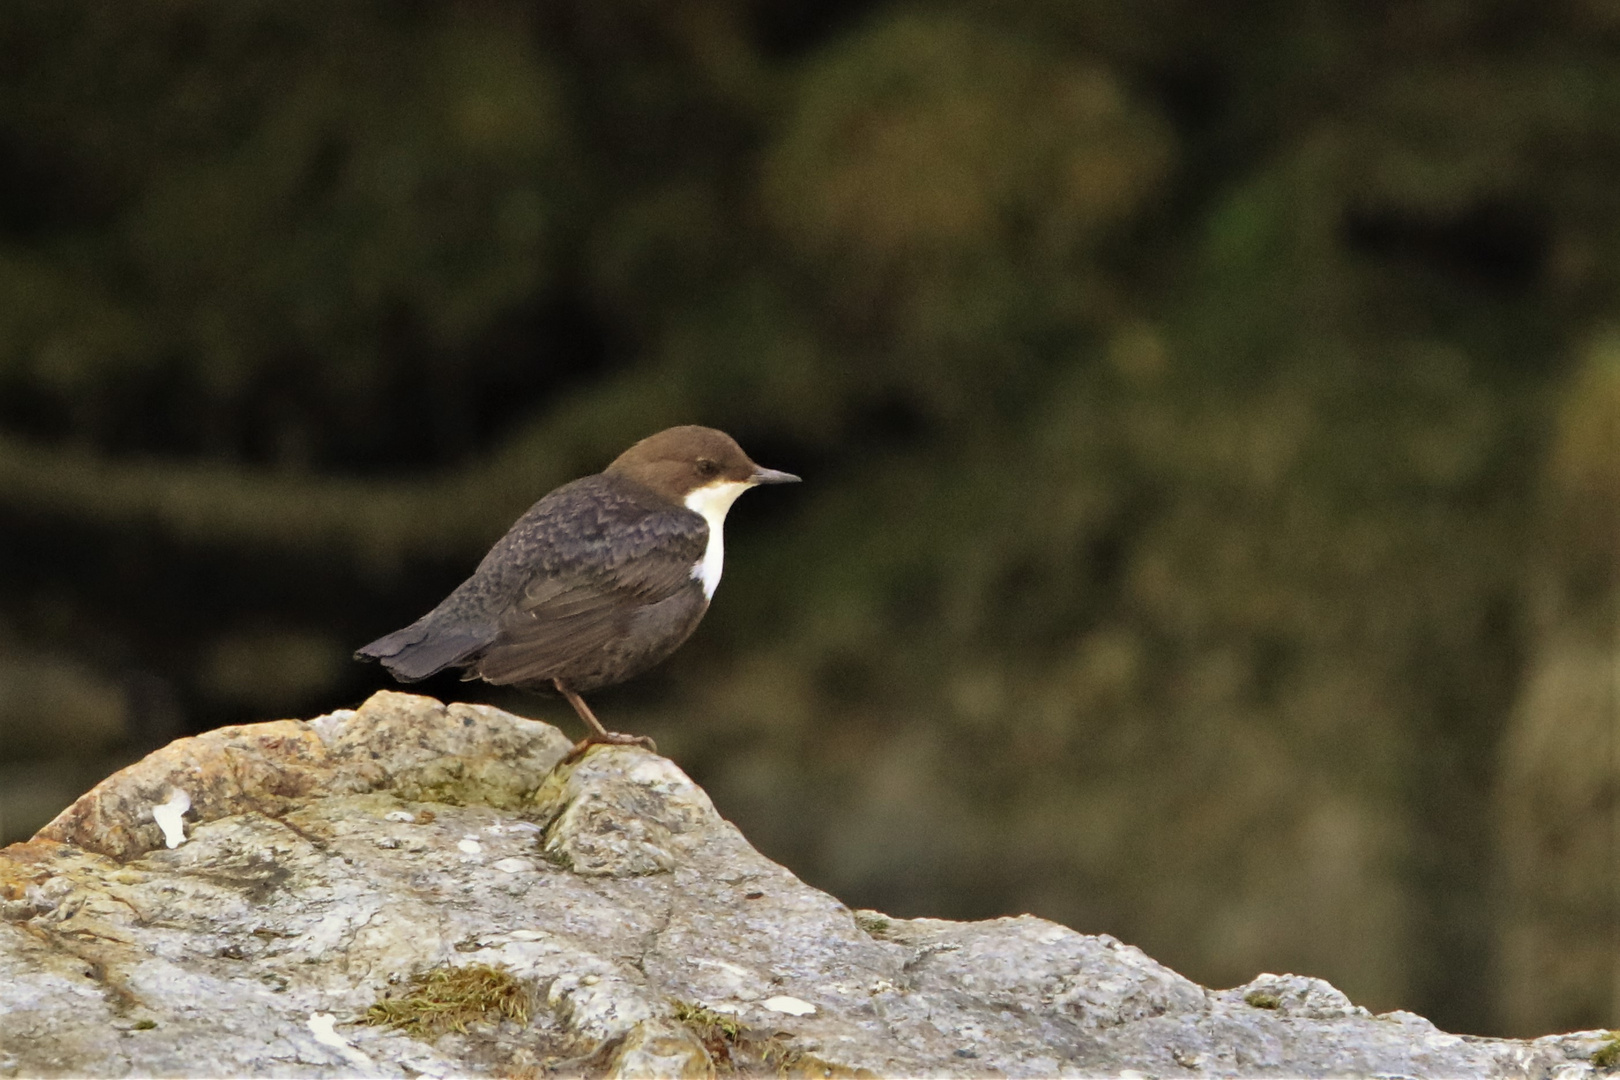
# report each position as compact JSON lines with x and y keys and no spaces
{"x":324,"y":864}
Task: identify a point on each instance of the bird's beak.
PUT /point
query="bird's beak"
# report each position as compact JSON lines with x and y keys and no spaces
{"x":772,"y":476}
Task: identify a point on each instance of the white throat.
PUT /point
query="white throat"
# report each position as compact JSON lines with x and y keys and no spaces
{"x":712,"y":501}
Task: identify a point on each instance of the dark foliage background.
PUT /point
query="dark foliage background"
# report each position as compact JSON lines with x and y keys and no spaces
{"x":1209,"y":416}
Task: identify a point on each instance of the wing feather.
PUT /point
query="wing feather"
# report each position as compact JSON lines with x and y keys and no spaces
{"x":563,"y":584}
{"x":618,"y":562}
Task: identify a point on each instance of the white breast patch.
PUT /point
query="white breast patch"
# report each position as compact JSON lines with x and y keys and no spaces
{"x":712,"y":502}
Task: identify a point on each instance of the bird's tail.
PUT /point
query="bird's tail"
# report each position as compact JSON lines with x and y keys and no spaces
{"x":421,"y":649}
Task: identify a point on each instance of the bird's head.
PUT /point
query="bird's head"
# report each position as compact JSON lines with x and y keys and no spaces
{"x":698,"y":467}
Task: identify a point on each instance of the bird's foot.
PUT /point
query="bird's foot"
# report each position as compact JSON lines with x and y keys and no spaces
{"x":607,"y":738}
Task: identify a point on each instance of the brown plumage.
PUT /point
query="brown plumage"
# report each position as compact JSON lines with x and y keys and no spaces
{"x":602,"y":579}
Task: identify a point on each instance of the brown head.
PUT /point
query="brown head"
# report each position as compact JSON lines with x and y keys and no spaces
{"x":681,"y":462}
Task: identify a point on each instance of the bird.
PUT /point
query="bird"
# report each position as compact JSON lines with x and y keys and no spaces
{"x":599,"y":581}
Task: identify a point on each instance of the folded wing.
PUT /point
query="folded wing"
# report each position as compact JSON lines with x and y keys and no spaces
{"x":579,"y":609}
{"x":561,"y":585}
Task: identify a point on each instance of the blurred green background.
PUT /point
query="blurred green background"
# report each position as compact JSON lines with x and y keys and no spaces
{"x":1210,"y":419}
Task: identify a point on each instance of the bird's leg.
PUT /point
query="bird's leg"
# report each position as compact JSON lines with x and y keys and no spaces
{"x":597,"y":733}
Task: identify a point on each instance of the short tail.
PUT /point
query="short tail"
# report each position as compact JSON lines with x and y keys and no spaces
{"x":422,"y":649}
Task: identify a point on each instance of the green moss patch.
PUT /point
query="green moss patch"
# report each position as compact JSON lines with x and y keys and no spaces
{"x":1261,"y":1000}
{"x":875,"y":923}
{"x":450,"y":998}
{"x":1607,"y":1056}
{"x":718,"y":1032}
{"x":731,"y":1046}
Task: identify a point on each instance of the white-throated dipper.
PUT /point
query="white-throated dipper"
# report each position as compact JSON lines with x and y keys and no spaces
{"x":599,"y":581}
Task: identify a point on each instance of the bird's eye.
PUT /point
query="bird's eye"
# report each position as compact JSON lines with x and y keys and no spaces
{"x":707,"y":467}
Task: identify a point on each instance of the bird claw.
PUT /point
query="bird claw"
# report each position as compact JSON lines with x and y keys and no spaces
{"x":608,"y":738}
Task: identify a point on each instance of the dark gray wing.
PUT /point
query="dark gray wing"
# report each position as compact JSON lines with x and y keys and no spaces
{"x":559,"y":585}
{"x":603,"y":551}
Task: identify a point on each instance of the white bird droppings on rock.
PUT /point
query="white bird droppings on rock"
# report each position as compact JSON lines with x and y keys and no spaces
{"x":321,"y":1024}
{"x":792,"y":1006}
{"x":169,"y":817}
{"x":400,"y":815}
{"x":470,"y":846}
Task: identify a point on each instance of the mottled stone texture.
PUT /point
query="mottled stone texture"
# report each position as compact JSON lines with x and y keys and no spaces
{"x":327,"y":862}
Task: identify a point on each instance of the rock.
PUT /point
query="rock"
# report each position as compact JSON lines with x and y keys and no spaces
{"x":349,"y":868}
